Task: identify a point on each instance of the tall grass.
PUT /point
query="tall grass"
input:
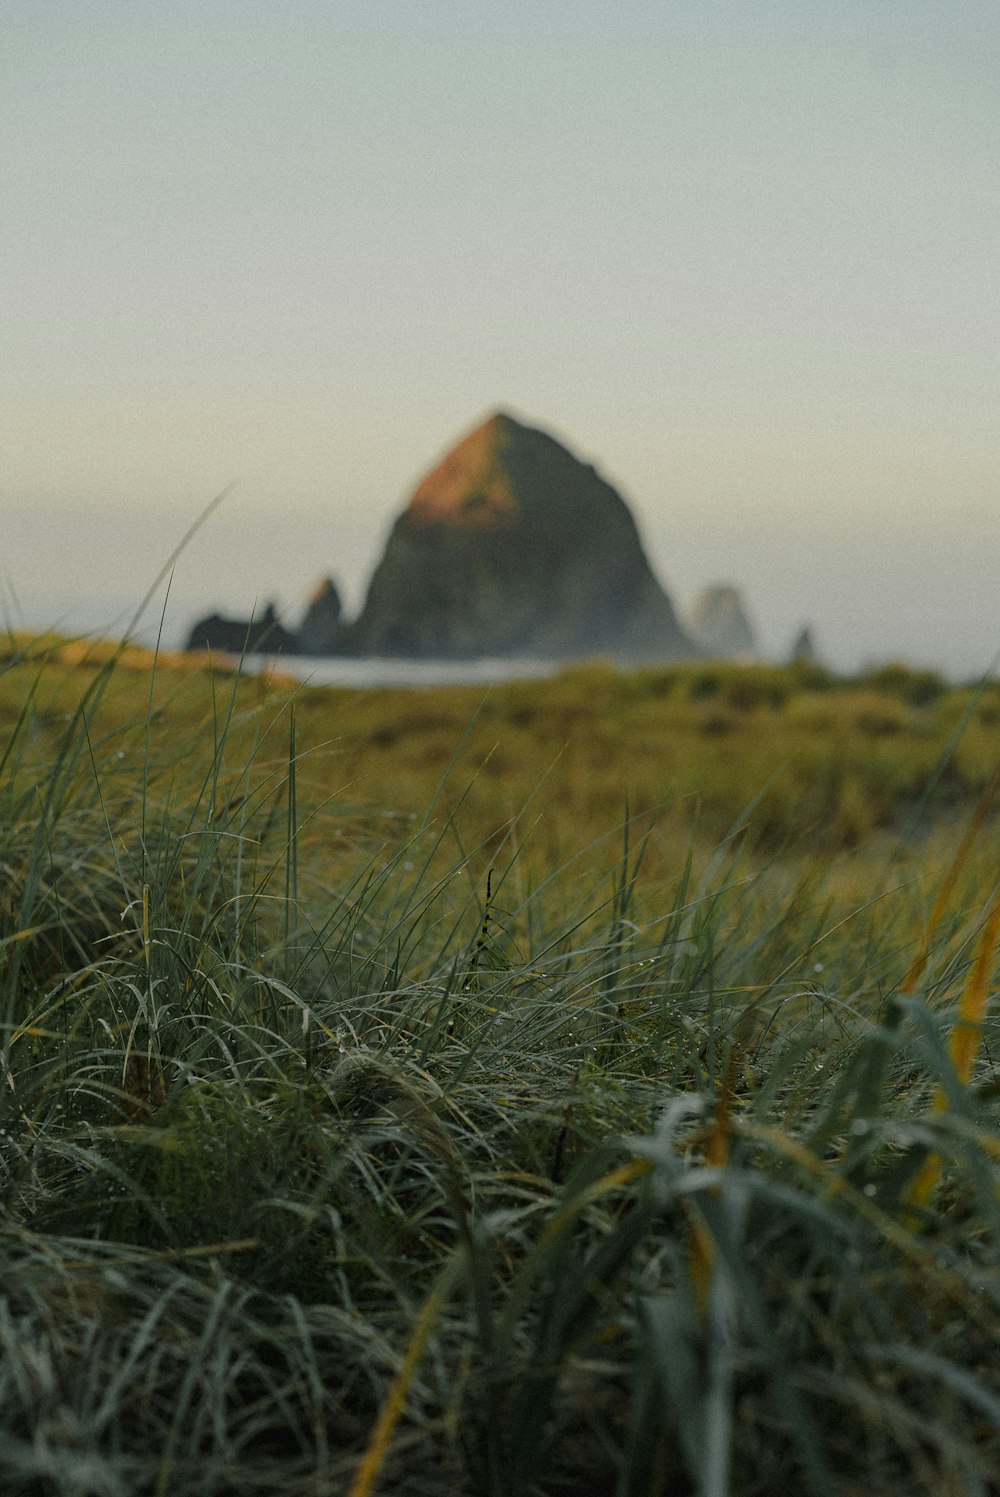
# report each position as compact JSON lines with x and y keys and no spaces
{"x":354,"y":1153}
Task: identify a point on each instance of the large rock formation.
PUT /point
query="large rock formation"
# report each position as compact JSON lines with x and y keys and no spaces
{"x":512,"y":546}
{"x":718,"y":622}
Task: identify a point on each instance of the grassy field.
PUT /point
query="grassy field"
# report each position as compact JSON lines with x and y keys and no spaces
{"x":571,"y":1087}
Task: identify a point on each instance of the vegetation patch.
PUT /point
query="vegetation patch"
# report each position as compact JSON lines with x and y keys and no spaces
{"x":537,"y":1091}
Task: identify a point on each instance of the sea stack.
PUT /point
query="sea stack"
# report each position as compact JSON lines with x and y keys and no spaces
{"x":719,"y":623}
{"x":322,"y":627}
{"x":512,"y":546}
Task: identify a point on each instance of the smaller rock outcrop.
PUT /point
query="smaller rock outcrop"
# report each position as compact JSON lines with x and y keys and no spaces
{"x":803,"y":651}
{"x":718,"y":623}
{"x":322,"y":629}
{"x":265,"y":635}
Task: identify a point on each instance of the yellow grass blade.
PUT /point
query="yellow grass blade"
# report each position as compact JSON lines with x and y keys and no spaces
{"x":923,"y":1188}
{"x":701,"y":1257}
{"x":22,"y":935}
{"x":963,"y":1045}
{"x":965,"y":1037}
{"x":378,"y":1446}
{"x":145,"y":925}
{"x":950,"y":880}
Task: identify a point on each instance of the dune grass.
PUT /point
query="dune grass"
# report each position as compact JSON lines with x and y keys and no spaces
{"x":564,"y":1091}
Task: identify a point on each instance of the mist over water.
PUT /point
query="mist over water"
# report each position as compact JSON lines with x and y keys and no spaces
{"x":384,"y":671}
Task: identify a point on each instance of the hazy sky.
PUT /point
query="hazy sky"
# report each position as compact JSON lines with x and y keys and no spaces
{"x":743,"y":256}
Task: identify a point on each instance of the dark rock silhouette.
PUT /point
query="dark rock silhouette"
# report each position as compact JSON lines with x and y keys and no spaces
{"x":264,"y":635}
{"x":512,"y":546}
{"x":718,"y":622}
{"x":322,"y":629}
{"x":803,"y":651}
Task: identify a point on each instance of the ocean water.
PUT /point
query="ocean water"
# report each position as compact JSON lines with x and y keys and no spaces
{"x":386,"y":671}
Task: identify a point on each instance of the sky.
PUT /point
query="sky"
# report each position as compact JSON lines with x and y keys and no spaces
{"x":740,"y":255}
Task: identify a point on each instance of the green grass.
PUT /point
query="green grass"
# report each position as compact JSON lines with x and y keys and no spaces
{"x":574,"y":1088}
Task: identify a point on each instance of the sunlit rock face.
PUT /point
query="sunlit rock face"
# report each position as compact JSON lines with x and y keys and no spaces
{"x":511,"y":546}
{"x":719,"y":624}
